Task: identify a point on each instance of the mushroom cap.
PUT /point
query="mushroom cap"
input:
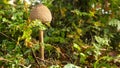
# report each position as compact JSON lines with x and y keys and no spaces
{"x":42,"y":13}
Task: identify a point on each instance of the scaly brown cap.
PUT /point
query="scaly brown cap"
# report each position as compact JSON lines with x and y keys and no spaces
{"x":42,"y":13}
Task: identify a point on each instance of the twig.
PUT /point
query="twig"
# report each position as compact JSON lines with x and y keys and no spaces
{"x":11,"y":39}
{"x":25,"y":66}
{"x":7,"y":36}
{"x":44,"y":60}
{"x":3,"y":59}
{"x":35,"y":57}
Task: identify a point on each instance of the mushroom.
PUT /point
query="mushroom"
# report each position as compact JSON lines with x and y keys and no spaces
{"x":42,"y":13}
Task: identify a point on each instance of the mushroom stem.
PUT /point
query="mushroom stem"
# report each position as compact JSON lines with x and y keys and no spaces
{"x":41,"y":41}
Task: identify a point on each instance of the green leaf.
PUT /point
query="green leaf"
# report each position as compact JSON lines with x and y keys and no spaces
{"x":115,"y":22}
{"x":55,"y":66}
{"x":27,"y":34}
{"x":102,"y":41}
{"x":82,"y":58}
{"x":76,"y":46}
{"x":38,"y":23}
{"x":71,"y":66}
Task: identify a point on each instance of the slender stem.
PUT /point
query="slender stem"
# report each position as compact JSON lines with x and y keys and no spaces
{"x":41,"y":41}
